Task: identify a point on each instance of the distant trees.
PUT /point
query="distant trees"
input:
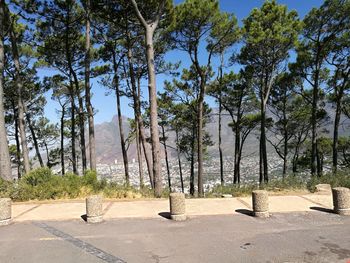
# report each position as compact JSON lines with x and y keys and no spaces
{"x":186,"y":92}
{"x":235,"y":91}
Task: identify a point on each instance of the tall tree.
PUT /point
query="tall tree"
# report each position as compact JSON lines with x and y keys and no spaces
{"x":339,"y":61}
{"x":152,"y":15}
{"x":197,"y":20}
{"x":90,"y":110}
{"x":15,"y":35}
{"x":269,"y":34}
{"x":62,"y":47}
{"x":321,"y":26}
{"x":5,"y":162}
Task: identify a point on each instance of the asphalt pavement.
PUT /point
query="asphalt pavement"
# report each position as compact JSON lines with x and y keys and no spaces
{"x":316,"y":236}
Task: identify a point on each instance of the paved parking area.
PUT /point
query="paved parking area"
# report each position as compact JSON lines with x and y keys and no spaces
{"x":316,"y":236}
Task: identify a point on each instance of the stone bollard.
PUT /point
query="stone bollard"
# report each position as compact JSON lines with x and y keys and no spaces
{"x":177,"y":206}
{"x":260,"y":203}
{"x":341,"y":200}
{"x":5,"y":211}
{"x":94,"y":209}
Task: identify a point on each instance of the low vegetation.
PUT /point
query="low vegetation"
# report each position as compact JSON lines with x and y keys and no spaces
{"x":43,"y":184}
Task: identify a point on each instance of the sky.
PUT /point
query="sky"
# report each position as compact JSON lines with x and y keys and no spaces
{"x":105,"y":105}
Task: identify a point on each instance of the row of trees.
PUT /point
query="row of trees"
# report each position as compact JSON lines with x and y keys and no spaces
{"x":289,"y":70}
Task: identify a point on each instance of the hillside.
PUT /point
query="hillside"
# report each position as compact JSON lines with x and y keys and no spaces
{"x":108,"y":141}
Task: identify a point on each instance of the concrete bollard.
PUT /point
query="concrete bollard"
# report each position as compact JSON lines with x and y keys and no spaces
{"x":260,"y":200}
{"x":94,"y":209}
{"x":341,"y":200}
{"x":5,"y":211}
{"x":177,"y":206}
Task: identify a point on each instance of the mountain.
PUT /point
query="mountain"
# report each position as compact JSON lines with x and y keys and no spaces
{"x":108,"y":139}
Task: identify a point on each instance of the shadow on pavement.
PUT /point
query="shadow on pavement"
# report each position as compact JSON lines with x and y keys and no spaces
{"x":322,"y":209}
{"x":84,"y":217}
{"x":166,"y":215}
{"x":245,"y":212}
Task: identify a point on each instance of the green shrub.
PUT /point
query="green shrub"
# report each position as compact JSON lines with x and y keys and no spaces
{"x":341,"y":178}
{"x":72,"y":184}
{"x":90,"y":177}
{"x":38,"y":176}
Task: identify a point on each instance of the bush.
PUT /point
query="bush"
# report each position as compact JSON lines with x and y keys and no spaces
{"x":42,"y":184}
{"x":341,"y":178}
{"x":90,"y":178}
{"x":38,"y":176}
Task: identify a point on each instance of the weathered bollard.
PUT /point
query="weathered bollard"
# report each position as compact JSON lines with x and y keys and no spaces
{"x":341,"y":200}
{"x":5,"y":211}
{"x":260,"y":203}
{"x":94,"y":209}
{"x":177,"y":206}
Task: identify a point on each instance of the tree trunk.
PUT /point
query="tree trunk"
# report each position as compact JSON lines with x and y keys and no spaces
{"x":74,"y":157}
{"x":71,"y":91}
{"x":222,"y":181}
{"x":200,"y":137}
{"x":152,"y":91}
{"x":261,"y":175}
{"x":236,"y":172}
{"x":82,"y":132}
{"x":121,"y":132}
{"x":120,"y":119}
{"x":19,"y":85}
{"x":263,"y":143}
{"x":5,"y":161}
{"x":18,"y":147}
{"x":166,"y":158}
{"x":285,"y":145}
{"x":314,"y":110}
{"x":192,"y":162}
{"x":35,"y":141}
{"x":136,"y":93}
{"x":319,"y":162}
{"x":336,"y":135}
{"x":48,"y":164}
{"x":62,"y":139}
{"x":90,"y":110}
{"x":179,"y":161}
{"x":147,"y":157}
{"x":139,"y":153}
{"x":220,"y":148}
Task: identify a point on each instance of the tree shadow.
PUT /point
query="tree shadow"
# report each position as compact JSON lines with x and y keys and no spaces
{"x":322,"y":209}
{"x":166,"y":215}
{"x":84,"y":217}
{"x":245,"y":212}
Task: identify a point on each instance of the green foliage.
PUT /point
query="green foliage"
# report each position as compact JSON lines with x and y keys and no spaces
{"x":42,"y":184}
{"x":341,"y":178}
{"x":90,"y":178}
{"x":38,"y":176}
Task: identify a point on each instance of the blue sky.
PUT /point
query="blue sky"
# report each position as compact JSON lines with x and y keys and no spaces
{"x":106,"y":105}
